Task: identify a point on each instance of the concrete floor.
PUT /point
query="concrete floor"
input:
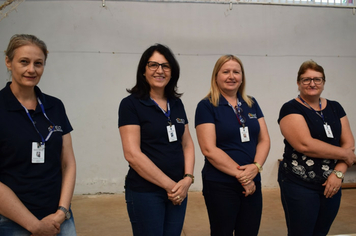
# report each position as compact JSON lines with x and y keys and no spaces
{"x":106,"y":215}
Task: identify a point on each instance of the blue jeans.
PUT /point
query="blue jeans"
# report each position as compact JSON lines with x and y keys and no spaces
{"x":230,"y":211}
{"x":152,"y":214}
{"x":307,"y":211}
{"x":10,"y":228}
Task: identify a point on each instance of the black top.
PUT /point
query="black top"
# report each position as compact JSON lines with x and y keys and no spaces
{"x":308,"y":171}
{"x":37,"y":185}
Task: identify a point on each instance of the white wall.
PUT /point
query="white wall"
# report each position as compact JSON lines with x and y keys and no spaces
{"x":94,"y":52}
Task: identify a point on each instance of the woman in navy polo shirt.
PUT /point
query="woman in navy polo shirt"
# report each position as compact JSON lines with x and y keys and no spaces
{"x":37,"y":164}
{"x":158,"y":146}
{"x":319,"y":147}
{"x":233,"y":137}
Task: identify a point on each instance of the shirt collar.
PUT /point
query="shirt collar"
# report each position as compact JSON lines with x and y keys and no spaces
{"x":149,"y":102}
{"x":223,"y":101}
{"x":12,"y":104}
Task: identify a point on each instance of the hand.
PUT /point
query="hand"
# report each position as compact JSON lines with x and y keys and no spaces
{"x":58,"y":217}
{"x":332,"y":186}
{"x":249,"y":173}
{"x":249,"y":188}
{"x":350,"y":157}
{"x":46,"y":227}
{"x":179,"y":191}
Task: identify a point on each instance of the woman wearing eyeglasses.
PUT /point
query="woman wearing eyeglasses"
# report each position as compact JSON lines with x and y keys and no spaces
{"x":157,"y":144}
{"x":319,"y":147}
{"x":233,"y":137}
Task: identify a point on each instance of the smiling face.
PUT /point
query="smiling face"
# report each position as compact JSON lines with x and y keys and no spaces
{"x":229,"y":77}
{"x":157,"y":78}
{"x":27,"y":66}
{"x":311,"y":89}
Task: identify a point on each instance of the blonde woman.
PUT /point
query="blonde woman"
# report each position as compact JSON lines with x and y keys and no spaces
{"x":233,"y":137}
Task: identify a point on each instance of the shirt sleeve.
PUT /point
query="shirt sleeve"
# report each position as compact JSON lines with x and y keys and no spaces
{"x":337,"y":108}
{"x":127,"y":113}
{"x":259,"y":112}
{"x":67,"y":127}
{"x":204,"y":113}
{"x":287,"y":109}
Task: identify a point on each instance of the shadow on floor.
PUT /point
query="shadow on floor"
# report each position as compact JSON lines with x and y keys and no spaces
{"x":106,"y":215}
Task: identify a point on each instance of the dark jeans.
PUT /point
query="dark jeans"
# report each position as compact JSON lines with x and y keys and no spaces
{"x":230,"y":211}
{"x":152,"y":214}
{"x":307,"y":211}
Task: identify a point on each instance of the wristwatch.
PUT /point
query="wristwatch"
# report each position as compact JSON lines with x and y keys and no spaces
{"x":66,"y":212}
{"x":258,"y":166}
{"x":338,"y":174}
{"x":190,"y":176}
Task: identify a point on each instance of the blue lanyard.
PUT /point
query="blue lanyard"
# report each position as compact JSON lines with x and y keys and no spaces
{"x":238,"y":112}
{"x":168,"y":113}
{"x":34,"y":124}
{"x":321,"y":112}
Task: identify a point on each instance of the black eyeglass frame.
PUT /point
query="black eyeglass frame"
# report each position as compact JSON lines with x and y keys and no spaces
{"x":165,"y":66}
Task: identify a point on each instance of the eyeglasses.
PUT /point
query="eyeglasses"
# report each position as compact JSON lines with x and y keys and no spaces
{"x":152,"y":65}
{"x":308,"y":80}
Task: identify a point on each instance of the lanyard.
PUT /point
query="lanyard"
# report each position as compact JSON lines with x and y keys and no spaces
{"x":238,"y":110}
{"x":168,"y":113}
{"x":34,"y":124}
{"x":321,"y":112}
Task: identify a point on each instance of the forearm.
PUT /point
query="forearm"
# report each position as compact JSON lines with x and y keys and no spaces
{"x":68,"y":166}
{"x":189,"y":156}
{"x":320,"y":149}
{"x":68,"y":184}
{"x":264,"y":143}
{"x":222,"y":161}
{"x":262,"y":151}
{"x":12,"y":208}
{"x":149,"y":171}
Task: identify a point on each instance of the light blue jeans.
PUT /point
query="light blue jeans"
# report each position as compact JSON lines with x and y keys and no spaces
{"x":10,"y":228}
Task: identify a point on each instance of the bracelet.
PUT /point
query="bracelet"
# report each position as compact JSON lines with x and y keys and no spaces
{"x":190,"y":176}
{"x":258,"y":166}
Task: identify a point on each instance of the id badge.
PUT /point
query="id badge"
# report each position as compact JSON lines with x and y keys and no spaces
{"x":328,"y":131}
{"x":38,"y":152}
{"x":172,"y":136}
{"x":245,"y":137}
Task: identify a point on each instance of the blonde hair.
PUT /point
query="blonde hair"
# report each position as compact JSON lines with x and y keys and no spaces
{"x":19,"y":40}
{"x":214,"y":93}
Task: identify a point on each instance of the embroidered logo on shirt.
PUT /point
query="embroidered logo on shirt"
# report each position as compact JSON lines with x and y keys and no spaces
{"x":180,"y":121}
{"x":57,"y":128}
{"x":252,"y":116}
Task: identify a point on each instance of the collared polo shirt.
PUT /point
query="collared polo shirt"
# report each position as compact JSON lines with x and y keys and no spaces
{"x":167,"y":156}
{"x":227,"y":128}
{"x":37,"y":185}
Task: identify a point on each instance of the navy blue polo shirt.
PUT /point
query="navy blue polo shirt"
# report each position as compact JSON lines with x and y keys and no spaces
{"x":38,"y":185}
{"x":227,"y":128}
{"x":167,"y":156}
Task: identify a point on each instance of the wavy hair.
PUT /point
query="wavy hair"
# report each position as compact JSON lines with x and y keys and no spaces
{"x":142,"y":88}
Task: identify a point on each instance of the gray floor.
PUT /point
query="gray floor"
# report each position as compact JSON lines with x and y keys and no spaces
{"x":106,"y":215}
